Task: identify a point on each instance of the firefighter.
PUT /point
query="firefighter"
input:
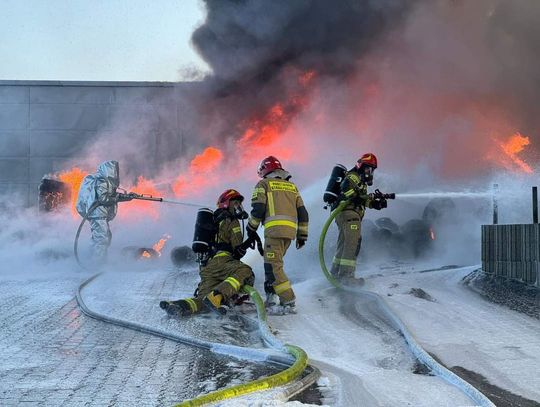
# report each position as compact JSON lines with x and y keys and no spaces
{"x":354,"y":190}
{"x":224,"y":274}
{"x":98,"y":202}
{"x":277,"y":204}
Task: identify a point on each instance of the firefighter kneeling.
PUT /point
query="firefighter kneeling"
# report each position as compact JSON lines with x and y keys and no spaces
{"x":218,"y":244}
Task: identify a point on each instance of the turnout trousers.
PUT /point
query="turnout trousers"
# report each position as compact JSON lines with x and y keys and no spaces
{"x":348,"y":245}
{"x":276,"y":281}
{"x":224,"y":274}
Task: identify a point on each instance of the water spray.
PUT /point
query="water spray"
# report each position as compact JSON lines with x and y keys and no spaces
{"x":124,"y":197}
{"x":175,"y":202}
{"x":430,"y":195}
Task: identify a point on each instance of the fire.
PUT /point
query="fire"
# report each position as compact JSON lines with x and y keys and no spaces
{"x":201,"y":172}
{"x":264,"y":133}
{"x":512,"y":147}
{"x":261,"y":135}
{"x":307,"y":77}
{"x":431,"y":234}
{"x":73,"y":179}
{"x":158,"y":247}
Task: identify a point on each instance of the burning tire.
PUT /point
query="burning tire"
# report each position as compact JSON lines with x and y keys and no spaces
{"x":140,"y":253}
{"x":53,"y":195}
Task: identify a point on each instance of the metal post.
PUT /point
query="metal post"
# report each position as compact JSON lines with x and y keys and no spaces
{"x":535,"y":204}
{"x":495,"y":204}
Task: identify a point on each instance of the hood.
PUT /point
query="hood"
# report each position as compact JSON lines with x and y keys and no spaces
{"x":281,"y":174}
{"x":111,"y":171}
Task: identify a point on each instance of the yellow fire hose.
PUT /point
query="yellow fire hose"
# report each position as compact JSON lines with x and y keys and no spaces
{"x":265,"y":383}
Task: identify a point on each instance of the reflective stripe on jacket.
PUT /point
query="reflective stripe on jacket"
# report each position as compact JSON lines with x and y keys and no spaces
{"x":229,"y":236}
{"x":277,"y":204}
{"x":353,"y":189}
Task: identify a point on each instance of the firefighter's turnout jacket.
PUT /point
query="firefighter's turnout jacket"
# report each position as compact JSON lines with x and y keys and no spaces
{"x":349,"y":222}
{"x":277,"y":204}
{"x":224,"y":272}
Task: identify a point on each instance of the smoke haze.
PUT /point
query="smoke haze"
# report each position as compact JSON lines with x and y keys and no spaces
{"x":433,"y":88}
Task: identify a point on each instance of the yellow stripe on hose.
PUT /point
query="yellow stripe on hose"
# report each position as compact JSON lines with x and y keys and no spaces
{"x":279,"y":379}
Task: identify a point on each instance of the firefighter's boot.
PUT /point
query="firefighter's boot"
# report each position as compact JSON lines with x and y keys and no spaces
{"x":289,"y":307}
{"x":271,"y":300}
{"x":352,"y":281}
{"x":213,"y":302}
{"x":175,"y":308}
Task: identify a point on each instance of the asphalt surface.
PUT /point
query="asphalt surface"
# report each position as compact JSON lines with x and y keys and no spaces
{"x":53,"y":355}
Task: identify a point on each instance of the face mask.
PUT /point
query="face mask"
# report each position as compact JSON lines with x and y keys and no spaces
{"x":367,"y":175}
{"x":240,"y":213}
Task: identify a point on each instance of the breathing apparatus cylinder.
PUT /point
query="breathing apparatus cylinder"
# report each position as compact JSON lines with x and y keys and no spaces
{"x":334,"y":183}
{"x":204,"y":235}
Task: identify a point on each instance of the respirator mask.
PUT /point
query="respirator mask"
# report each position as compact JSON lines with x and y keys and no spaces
{"x":366,"y":173}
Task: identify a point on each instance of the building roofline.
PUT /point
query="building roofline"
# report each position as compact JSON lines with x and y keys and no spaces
{"x":92,"y":83}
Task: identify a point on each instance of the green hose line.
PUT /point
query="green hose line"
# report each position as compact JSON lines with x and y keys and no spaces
{"x":265,"y":383}
{"x":425,"y":358}
{"x":334,"y":213}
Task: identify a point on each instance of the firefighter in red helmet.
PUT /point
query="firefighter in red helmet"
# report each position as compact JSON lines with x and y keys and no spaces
{"x":354,"y":190}
{"x":277,"y":204}
{"x":224,"y":274}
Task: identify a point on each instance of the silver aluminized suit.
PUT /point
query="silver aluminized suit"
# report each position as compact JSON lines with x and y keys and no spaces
{"x":99,"y":189}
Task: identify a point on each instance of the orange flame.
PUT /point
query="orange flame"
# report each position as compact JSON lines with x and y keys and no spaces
{"x":200,"y":173}
{"x":264,"y":133}
{"x":307,"y":77}
{"x":158,"y":247}
{"x":512,"y":147}
{"x":73,"y":179}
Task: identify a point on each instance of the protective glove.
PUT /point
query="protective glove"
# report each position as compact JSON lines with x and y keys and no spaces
{"x":379,"y":203}
{"x":251,"y":232}
{"x":300,"y":243}
{"x":259,"y":246}
{"x":239,"y":252}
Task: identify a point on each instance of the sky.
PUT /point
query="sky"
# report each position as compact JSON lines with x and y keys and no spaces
{"x":98,"y":40}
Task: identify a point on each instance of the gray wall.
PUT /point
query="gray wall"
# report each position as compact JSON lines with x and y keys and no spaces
{"x":512,"y":251}
{"x":44,"y":123}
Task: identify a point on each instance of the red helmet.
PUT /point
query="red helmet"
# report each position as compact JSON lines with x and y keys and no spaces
{"x":368,"y":159}
{"x":226,"y":197}
{"x":268,"y":165}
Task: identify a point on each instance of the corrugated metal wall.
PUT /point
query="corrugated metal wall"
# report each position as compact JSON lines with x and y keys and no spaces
{"x":44,"y":123}
{"x":512,"y":251}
